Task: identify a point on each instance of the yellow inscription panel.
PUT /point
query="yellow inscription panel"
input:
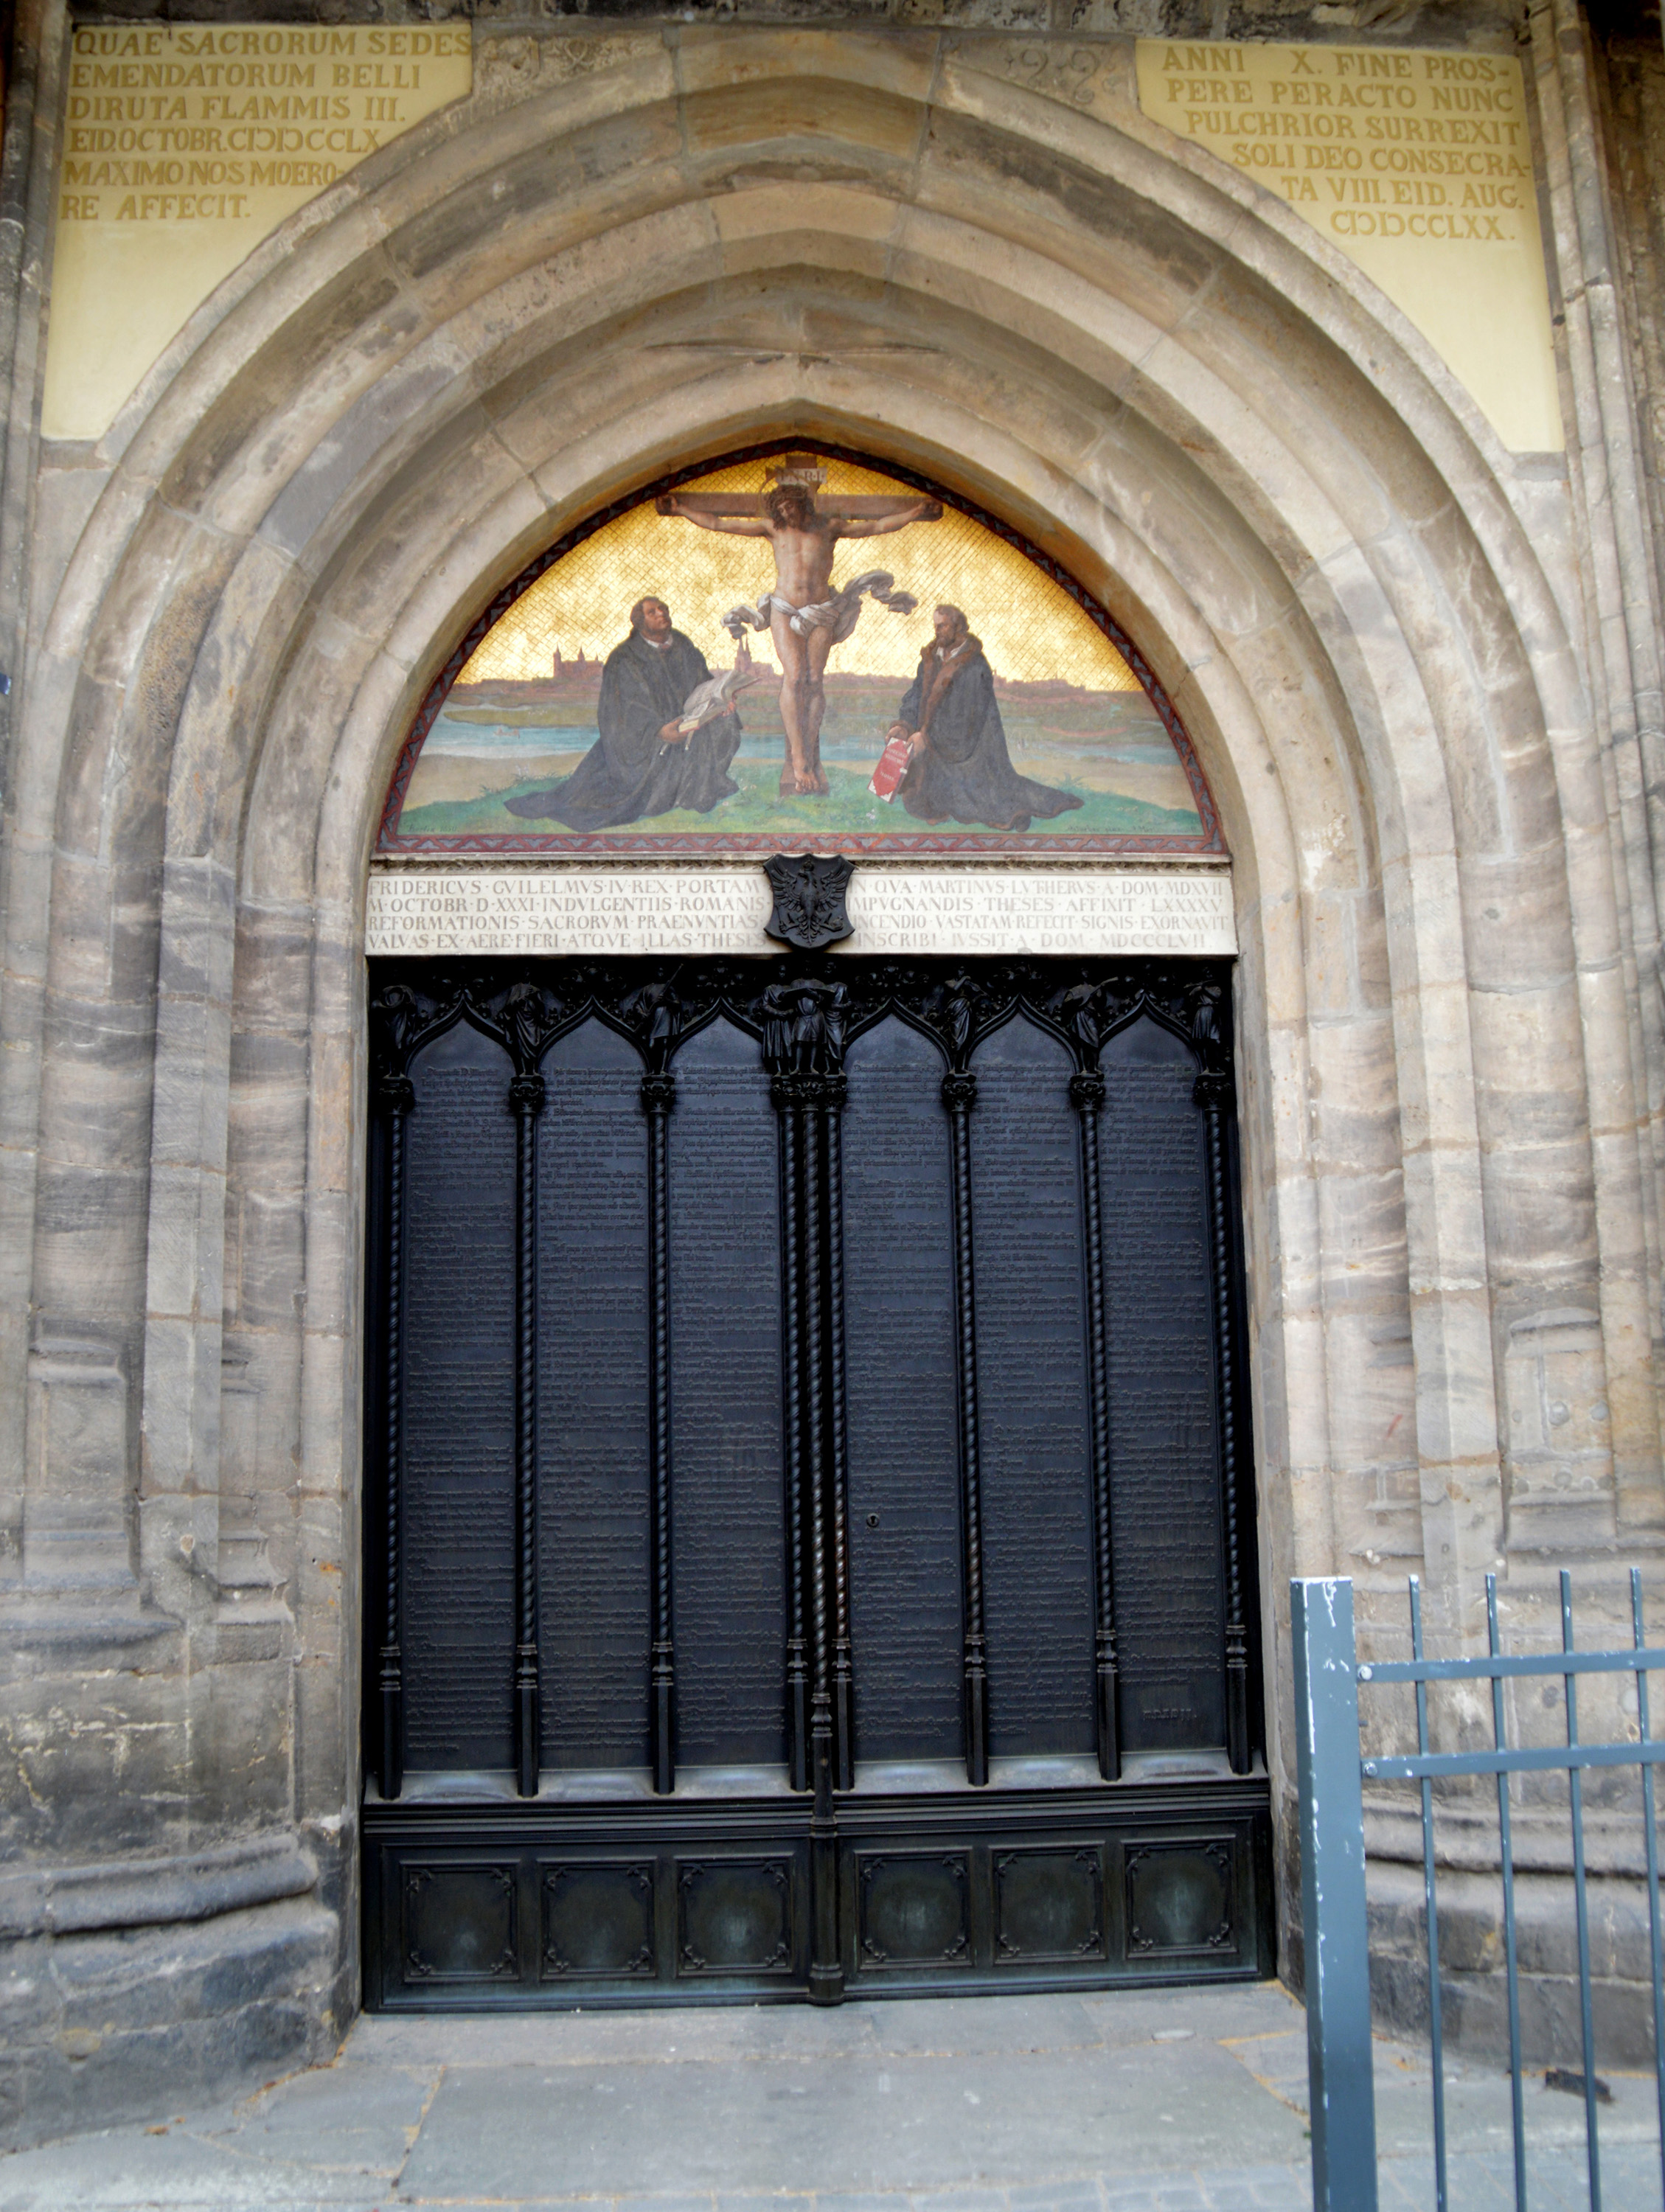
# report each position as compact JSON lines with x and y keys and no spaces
{"x":1418,"y":166}
{"x":184,"y":145}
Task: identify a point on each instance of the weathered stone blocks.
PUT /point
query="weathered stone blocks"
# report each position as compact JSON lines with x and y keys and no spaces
{"x":1403,"y":660}
{"x":122,"y":2026}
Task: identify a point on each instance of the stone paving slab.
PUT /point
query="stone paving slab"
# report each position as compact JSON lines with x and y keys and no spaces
{"x":1171,"y":2100}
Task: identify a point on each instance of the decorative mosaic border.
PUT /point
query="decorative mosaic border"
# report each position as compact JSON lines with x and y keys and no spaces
{"x":693,"y":845}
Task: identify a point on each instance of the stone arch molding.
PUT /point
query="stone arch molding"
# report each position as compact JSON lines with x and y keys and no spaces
{"x":624,"y":251}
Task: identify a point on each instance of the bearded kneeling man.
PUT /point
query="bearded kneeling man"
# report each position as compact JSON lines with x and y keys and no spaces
{"x":961,"y":770}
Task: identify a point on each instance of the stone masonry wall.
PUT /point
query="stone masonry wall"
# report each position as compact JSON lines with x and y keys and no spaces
{"x":1422,"y":674}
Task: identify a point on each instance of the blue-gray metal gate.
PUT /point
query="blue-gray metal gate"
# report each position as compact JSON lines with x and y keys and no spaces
{"x":1331,"y":1775}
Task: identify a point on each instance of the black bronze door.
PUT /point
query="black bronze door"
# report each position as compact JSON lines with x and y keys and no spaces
{"x":808,"y":1543}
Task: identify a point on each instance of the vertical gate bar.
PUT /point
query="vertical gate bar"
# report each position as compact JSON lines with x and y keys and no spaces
{"x":791,"y":1288}
{"x":832,"y":1091}
{"x":1581,"y":1902}
{"x":1087,"y":1095}
{"x":1332,"y":1904}
{"x":1651,"y":1842}
{"x":1506,"y":1862}
{"x":526,"y":1095}
{"x":659,"y":1094}
{"x":1430,"y":1907}
{"x":959,"y":1095}
{"x":1213,"y":1095}
{"x":397,"y":1096}
{"x":826,"y":1968}
{"x":1651,"y":1845}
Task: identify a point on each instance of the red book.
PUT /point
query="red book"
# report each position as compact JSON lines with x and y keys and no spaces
{"x":892,"y":767}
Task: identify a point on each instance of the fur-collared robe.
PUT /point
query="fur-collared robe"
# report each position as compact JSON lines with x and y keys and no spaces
{"x":963,"y":772}
{"x":631,"y":772}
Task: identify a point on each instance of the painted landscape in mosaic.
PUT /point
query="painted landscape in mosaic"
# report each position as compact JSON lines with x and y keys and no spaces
{"x":801,"y":654}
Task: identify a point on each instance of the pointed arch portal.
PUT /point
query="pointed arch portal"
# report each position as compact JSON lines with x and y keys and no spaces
{"x":633,"y":250}
{"x":806,"y":1505}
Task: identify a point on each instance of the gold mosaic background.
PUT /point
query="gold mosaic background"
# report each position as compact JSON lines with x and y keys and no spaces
{"x":1032,"y":630}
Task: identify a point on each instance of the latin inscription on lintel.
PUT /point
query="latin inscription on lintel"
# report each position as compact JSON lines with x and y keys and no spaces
{"x":424,"y":913}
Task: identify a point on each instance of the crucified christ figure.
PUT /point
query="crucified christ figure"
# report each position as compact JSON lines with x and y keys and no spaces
{"x":804,"y":615}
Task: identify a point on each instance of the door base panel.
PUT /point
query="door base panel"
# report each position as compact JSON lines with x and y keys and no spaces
{"x":489,"y":1906}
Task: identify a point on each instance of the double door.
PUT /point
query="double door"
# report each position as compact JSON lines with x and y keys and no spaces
{"x":809,"y":1523}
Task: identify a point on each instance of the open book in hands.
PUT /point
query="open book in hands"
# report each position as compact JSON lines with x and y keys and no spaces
{"x":715,"y":697}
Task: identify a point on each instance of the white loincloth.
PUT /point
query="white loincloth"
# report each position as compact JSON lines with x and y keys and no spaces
{"x":840,"y":614}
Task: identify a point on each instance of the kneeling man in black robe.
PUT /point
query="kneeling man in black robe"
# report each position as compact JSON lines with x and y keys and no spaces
{"x":642,"y":763}
{"x":961,"y":770}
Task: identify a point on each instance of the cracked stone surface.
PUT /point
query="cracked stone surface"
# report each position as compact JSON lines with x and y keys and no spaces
{"x":1174,"y":2101}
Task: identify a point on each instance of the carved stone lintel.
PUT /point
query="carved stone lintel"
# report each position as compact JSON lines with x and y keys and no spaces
{"x":808,"y":891}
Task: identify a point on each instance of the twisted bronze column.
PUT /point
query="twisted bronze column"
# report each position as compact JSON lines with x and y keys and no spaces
{"x":1214,"y":1096}
{"x":787,"y":1105}
{"x":394,"y":1095}
{"x":659,"y":1096}
{"x":959,"y":1096}
{"x":525,"y":1097}
{"x":1087,"y":1095}
{"x":829,"y":1094}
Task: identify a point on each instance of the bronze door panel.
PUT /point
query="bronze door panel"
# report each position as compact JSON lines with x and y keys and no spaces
{"x":806,"y":1436}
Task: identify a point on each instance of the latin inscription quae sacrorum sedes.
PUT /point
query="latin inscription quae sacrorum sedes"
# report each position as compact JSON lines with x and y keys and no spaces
{"x":185,"y":145}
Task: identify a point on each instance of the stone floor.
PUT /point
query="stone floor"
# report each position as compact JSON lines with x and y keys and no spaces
{"x":1174,"y":2101}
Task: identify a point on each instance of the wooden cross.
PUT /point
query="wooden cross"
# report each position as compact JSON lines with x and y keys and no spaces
{"x":838,"y":507}
{"x":802,"y":470}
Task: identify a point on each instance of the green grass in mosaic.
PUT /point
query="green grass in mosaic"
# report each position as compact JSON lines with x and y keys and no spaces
{"x":849,"y":809}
